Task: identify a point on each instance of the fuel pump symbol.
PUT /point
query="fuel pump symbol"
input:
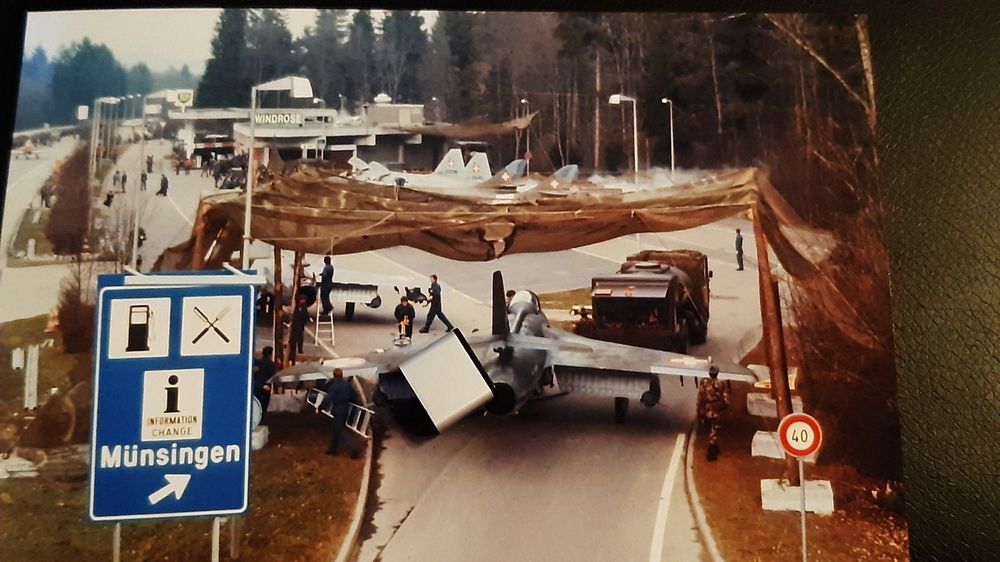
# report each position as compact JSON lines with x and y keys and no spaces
{"x":139,"y":317}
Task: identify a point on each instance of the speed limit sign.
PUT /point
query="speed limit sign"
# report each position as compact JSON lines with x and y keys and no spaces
{"x":800,"y":435}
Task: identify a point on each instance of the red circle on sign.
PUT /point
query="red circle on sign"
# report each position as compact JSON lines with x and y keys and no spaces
{"x":800,"y":435}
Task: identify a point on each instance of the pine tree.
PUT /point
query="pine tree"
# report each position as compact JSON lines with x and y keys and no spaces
{"x":82,"y":73}
{"x":401,"y":51}
{"x":139,"y":80}
{"x":361,"y":80}
{"x":224,"y":83}
{"x":323,"y":53}
{"x":269,"y":46}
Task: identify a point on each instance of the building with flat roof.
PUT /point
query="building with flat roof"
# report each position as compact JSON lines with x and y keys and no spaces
{"x":318,"y":133}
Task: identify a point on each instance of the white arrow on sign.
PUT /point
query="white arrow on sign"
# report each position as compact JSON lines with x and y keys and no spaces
{"x":176,"y":484}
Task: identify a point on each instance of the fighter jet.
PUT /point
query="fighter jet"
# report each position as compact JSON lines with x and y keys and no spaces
{"x":451,"y":173}
{"x":28,"y":151}
{"x":427,"y":390}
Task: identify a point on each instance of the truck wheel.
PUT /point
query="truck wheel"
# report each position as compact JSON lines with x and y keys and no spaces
{"x":681,"y":339}
{"x":698,"y":331}
{"x":621,"y":407}
{"x":349,"y":310}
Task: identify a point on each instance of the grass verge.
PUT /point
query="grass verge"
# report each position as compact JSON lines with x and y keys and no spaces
{"x":55,"y":369}
{"x":300,"y":508}
{"x":859,"y":529}
{"x":30,"y":229}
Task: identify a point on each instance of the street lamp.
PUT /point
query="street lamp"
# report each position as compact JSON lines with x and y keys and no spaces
{"x":617,"y":99}
{"x":142,"y":170}
{"x":527,"y":150}
{"x":297,"y":87}
{"x":670,"y":106}
{"x":341,"y":96}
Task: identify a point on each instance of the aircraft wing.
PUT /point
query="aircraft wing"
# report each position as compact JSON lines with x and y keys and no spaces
{"x":578,"y":352}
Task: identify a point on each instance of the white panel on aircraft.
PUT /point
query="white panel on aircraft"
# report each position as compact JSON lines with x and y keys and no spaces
{"x":446,"y":380}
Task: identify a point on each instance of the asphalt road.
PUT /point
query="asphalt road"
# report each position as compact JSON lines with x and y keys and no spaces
{"x":560,"y":480}
{"x":24,"y":180}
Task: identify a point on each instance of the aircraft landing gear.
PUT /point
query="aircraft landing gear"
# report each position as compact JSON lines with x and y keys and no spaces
{"x":621,"y":407}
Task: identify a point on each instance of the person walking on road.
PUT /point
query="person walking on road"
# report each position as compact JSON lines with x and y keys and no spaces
{"x":435,"y":311}
{"x":739,"y":250}
{"x":124,"y":179}
{"x":164,"y":184}
{"x":712,"y":401}
{"x":339,"y":395}
{"x":115,"y":179}
{"x":405,"y":315}
{"x":326,"y":287}
{"x":142,"y":181}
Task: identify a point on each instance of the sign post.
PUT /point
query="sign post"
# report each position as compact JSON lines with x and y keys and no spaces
{"x":170,"y":431}
{"x":800,"y":436}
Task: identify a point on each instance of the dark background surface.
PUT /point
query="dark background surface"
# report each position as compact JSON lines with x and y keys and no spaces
{"x":937,"y":76}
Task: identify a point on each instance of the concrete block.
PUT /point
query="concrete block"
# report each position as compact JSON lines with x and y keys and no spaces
{"x":17,"y":467}
{"x":259,"y":437}
{"x":777,"y":495}
{"x":761,"y":404}
{"x":767,"y":444}
{"x":286,"y":402}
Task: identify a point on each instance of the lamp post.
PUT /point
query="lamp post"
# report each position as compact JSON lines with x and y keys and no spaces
{"x":297,"y":87}
{"x":341,"y":96}
{"x":142,"y":170}
{"x":94,"y":124}
{"x":670,"y":106}
{"x":617,"y":99}
{"x":527,"y":150}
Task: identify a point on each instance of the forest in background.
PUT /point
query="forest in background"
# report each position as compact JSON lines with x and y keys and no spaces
{"x":792,"y":94}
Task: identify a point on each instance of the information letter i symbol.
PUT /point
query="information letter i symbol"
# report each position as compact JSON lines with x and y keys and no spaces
{"x":171,"y":396}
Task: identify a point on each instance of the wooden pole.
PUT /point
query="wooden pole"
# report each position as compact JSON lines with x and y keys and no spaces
{"x":771,"y":318}
{"x":278,"y":311}
{"x":774,"y":341}
{"x":296,"y":277}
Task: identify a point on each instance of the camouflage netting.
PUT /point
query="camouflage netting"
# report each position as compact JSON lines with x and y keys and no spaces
{"x":315,"y":211}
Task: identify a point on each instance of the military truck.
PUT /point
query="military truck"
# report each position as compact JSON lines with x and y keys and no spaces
{"x":657,"y":299}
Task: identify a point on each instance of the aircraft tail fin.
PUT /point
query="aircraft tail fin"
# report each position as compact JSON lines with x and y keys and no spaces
{"x":500,"y":325}
{"x":357,"y":165}
{"x":452,"y":164}
{"x":377,"y":171}
{"x":478,"y":168}
{"x":566,"y":174}
{"x":512,"y":171}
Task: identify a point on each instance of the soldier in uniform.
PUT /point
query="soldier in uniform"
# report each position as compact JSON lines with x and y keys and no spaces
{"x":712,"y":400}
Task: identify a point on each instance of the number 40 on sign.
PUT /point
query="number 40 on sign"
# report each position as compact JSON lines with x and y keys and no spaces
{"x":800,"y":435}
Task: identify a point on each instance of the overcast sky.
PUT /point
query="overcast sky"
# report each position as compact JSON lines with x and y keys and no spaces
{"x":159,"y":38}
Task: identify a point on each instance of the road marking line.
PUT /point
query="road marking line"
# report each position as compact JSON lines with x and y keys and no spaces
{"x":659,"y":531}
{"x":178,"y":209}
{"x":419,"y":275}
{"x":598,"y":256}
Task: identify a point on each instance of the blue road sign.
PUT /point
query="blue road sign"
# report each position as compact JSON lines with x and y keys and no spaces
{"x":171,"y":404}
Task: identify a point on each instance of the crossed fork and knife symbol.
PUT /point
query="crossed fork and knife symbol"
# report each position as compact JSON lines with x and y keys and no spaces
{"x":211,"y":324}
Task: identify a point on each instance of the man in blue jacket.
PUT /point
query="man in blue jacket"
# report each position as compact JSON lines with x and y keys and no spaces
{"x":339,"y":395}
{"x":435,"y":300}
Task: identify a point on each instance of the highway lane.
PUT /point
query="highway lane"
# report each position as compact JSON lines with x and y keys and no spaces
{"x":24,"y":180}
{"x":559,"y":480}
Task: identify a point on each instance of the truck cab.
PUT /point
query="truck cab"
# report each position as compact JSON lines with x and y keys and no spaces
{"x":657,"y":299}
